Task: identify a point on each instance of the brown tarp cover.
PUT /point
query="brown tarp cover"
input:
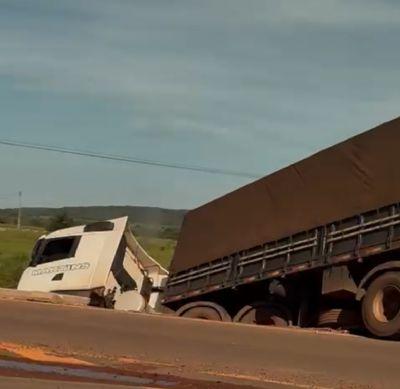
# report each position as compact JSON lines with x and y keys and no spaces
{"x":360,"y":174}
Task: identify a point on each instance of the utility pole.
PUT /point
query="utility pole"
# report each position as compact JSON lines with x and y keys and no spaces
{"x":19,"y":210}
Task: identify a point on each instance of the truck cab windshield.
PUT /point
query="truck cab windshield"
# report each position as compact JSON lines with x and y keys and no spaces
{"x":49,"y":250}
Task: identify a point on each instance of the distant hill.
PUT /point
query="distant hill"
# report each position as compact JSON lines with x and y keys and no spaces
{"x":150,"y":216}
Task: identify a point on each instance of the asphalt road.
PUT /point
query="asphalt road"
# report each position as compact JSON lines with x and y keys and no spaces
{"x":200,"y":350}
{"x":29,"y":383}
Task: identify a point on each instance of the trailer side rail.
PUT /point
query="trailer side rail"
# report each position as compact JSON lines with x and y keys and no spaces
{"x":352,"y":238}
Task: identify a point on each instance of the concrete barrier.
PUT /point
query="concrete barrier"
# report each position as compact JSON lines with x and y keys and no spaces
{"x":43,"y":297}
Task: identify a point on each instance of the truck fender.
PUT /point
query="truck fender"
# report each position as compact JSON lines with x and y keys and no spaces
{"x":377,"y":270}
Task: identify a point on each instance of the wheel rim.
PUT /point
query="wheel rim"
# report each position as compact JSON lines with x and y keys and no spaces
{"x":386,"y":304}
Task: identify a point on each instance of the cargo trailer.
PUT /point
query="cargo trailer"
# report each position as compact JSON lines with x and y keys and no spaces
{"x":314,"y":244}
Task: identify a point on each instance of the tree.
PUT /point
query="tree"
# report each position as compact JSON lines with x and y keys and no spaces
{"x":59,"y":222}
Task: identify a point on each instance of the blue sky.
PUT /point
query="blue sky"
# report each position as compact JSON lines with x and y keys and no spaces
{"x":242,"y":85}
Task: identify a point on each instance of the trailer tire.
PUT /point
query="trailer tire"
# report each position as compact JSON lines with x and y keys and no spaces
{"x":204,"y":310}
{"x":381,"y":306}
{"x":262,"y":313}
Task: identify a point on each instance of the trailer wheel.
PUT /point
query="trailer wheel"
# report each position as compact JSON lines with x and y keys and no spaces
{"x":262,"y":313}
{"x":381,"y":306}
{"x":204,"y":310}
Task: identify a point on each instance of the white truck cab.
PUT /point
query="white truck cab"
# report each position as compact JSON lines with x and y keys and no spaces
{"x":102,"y":260}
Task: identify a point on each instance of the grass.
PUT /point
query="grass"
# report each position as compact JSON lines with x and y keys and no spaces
{"x":16,"y":246}
{"x":160,"y":249}
{"x":15,"y":249}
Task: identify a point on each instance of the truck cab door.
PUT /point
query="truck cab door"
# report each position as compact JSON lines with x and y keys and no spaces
{"x":58,"y":264}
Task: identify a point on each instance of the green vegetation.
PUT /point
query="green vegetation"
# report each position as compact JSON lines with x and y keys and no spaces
{"x":155,"y":231}
{"x":58,"y":222}
{"x":16,"y":246}
{"x":147,"y":222}
{"x":144,"y":216}
{"x":160,"y":249}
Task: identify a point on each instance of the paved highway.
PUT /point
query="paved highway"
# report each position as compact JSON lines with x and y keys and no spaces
{"x":204,"y":353}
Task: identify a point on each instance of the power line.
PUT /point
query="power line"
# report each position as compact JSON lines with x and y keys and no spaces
{"x":93,"y":154}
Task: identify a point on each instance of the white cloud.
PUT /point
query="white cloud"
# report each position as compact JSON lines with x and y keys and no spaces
{"x":351,"y":13}
{"x":208,"y":68}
